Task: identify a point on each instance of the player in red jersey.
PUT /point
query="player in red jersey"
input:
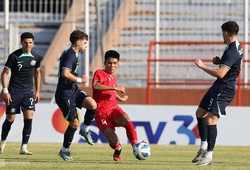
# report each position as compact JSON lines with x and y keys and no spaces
{"x":109,"y":115}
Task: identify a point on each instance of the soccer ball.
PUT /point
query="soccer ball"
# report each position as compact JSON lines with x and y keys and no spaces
{"x":141,"y":151}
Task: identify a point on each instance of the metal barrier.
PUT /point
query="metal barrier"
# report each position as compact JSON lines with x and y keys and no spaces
{"x":151,"y":60}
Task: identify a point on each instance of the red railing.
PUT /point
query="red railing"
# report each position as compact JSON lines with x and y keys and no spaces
{"x":150,"y":59}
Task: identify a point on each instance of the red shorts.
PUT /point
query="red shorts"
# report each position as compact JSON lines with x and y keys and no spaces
{"x":106,"y":118}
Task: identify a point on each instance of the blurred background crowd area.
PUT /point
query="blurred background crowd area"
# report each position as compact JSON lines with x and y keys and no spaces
{"x":185,"y":28}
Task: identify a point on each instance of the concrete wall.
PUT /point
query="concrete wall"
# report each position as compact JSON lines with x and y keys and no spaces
{"x":173,"y":96}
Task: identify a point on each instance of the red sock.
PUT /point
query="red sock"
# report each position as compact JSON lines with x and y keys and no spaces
{"x":131,"y":133}
{"x":116,"y":147}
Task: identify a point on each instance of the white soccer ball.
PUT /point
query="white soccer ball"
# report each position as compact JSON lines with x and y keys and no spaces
{"x":141,"y":151}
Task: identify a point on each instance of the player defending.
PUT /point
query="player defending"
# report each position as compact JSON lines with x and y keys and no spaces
{"x":19,"y":94}
{"x":222,"y":92}
{"x":69,"y":97}
{"x":109,"y":115}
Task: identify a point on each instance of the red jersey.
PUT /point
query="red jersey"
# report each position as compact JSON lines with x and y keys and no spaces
{"x":105,"y":99}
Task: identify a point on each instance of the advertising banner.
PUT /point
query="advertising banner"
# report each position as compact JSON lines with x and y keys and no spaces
{"x":175,"y":125}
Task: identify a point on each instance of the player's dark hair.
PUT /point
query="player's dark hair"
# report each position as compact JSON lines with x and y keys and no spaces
{"x":111,"y":54}
{"x":27,"y":35}
{"x":77,"y":35}
{"x":231,"y":27}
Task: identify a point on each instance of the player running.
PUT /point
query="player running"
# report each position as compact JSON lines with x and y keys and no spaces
{"x":69,"y":97}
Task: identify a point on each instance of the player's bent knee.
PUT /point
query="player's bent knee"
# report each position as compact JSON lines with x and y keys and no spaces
{"x":89,"y":103}
{"x":93,"y":104}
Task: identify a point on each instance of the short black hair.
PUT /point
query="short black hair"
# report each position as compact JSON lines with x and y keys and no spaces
{"x":111,"y":54}
{"x":231,"y":27}
{"x":27,"y":35}
{"x":77,"y":35}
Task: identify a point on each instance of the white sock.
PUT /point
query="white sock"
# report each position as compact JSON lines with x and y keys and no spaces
{"x":203,"y":145}
{"x":24,"y":146}
{"x":85,"y":128}
{"x":65,"y":149}
{"x":209,"y":154}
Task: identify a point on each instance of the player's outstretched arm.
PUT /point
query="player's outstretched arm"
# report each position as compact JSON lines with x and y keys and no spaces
{"x":68,"y":75}
{"x":98,"y":86}
{"x":122,"y":98}
{"x":215,"y":72}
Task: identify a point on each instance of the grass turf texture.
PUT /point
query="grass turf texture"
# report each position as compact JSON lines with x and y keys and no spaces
{"x":99,"y":156}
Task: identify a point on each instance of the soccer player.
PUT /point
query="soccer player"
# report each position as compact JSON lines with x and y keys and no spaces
{"x":221,"y":93}
{"x":19,"y":93}
{"x":69,"y":97}
{"x":109,"y":115}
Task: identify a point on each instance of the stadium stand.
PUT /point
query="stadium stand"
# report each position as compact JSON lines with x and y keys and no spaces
{"x":179,"y":21}
{"x":43,"y":20}
{"x":50,"y":81}
{"x":128,"y":26}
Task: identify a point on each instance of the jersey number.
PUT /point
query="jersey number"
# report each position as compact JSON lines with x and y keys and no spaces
{"x":19,"y":67}
{"x":31,"y":101}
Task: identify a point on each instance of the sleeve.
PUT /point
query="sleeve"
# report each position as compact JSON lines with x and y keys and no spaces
{"x":228,"y":59}
{"x":98,"y":76}
{"x":38,"y":64}
{"x":38,"y":60}
{"x":68,"y":62}
{"x":10,"y":61}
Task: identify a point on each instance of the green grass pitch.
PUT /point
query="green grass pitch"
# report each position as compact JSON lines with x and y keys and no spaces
{"x":99,"y":156}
